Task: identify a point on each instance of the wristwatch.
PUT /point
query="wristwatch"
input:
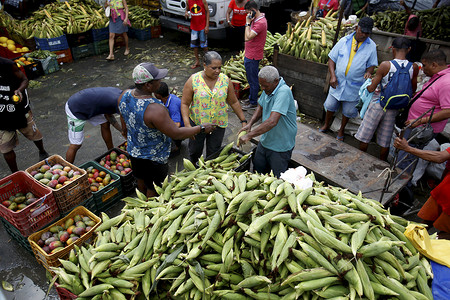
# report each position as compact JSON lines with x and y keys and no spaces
{"x":247,"y":25}
{"x":202,"y":128}
{"x":244,"y":121}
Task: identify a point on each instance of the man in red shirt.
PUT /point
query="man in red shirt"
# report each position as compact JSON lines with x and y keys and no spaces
{"x":198,"y":12}
{"x":255,"y":39}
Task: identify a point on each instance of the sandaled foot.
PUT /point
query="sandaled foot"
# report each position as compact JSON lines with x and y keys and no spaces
{"x":110,"y":57}
{"x":340,"y":138}
{"x":126,"y":52}
{"x":323,"y":130}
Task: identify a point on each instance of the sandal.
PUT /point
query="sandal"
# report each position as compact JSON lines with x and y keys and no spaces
{"x":126,"y":52}
{"x":110,"y":57}
{"x":340,"y":138}
{"x":323,"y":130}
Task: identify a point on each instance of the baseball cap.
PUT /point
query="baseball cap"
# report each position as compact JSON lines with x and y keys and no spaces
{"x":366,"y":24}
{"x":401,"y":43}
{"x":146,"y":72}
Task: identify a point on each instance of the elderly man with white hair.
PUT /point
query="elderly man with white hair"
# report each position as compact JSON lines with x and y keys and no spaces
{"x":276,"y":107}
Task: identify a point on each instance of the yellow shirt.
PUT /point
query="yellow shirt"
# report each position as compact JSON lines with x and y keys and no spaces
{"x":209,"y":106}
{"x":352,"y":53}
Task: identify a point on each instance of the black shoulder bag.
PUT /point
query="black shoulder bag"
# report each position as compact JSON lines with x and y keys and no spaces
{"x":402,"y":116}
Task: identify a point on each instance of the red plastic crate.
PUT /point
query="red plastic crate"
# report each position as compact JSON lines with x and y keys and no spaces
{"x":64,"y":56}
{"x":156,"y":31}
{"x":36,"y":215}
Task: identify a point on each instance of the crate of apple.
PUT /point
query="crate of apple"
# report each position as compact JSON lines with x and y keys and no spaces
{"x":116,"y":162}
{"x":55,"y":176}
{"x":98,"y":180}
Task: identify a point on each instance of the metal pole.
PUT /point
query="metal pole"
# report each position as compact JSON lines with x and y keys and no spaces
{"x":338,"y":29}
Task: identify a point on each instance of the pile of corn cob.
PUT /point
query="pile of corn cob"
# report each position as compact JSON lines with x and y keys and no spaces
{"x":218,"y":234}
{"x":311,"y":40}
{"x":140,"y":18}
{"x":394,"y":21}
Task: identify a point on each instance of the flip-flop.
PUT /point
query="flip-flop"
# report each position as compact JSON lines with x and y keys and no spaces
{"x":110,"y":58}
{"x":340,"y":138}
{"x":323,"y":130}
{"x":195,"y":66}
{"x":126,"y":52}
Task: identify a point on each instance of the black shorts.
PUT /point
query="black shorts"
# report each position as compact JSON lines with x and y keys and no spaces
{"x":149,"y":171}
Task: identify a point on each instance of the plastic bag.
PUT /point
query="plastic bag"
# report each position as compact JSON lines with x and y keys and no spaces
{"x":441,"y":281}
{"x":436,"y":250}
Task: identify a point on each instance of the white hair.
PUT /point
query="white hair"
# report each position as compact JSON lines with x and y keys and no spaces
{"x":269,"y":73}
{"x":210,"y":56}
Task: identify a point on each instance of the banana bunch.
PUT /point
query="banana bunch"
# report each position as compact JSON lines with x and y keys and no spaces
{"x":140,"y":18}
{"x":212,"y":232}
{"x":310,"y":40}
{"x":395,"y":21}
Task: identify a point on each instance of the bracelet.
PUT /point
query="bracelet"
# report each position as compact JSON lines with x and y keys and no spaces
{"x":247,"y":25}
{"x":244,"y":121}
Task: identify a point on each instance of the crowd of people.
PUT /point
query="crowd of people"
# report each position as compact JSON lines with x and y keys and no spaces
{"x":155,"y":122}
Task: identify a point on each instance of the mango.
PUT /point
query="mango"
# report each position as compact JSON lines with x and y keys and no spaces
{"x":78,"y":218}
{"x":55,"y":244}
{"x":21,"y":206}
{"x":19,"y":199}
{"x":52,"y":184}
{"x":86,"y":219}
{"x":80,"y":224}
{"x":44,"y":181}
{"x":31,"y":201}
{"x":56,"y":229}
{"x":13,"y":206}
{"x":88,"y":228}
{"x":113,"y":155}
{"x":51,"y":240}
{"x":64,"y":237}
{"x":58,"y":166}
{"x":57,"y":249}
{"x":69,"y":222}
{"x":29,"y":195}
{"x":48,"y":175}
{"x":71,"y":240}
{"x":62,"y":179}
{"x":79,"y":231}
{"x":39,"y":176}
{"x":44,"y":168}
{"x":70,"y":229}
{"x":46,"y":249}
{"x":6,"y":203}
{"x":55,"y":177}
{"x":46,"y":235}
{"x":90,"y":223}
{"x":19,"y":195}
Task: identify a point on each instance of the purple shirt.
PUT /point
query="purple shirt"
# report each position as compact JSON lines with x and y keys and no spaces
{"x":438,"y":95}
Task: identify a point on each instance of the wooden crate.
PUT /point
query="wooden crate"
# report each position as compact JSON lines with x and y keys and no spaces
{"x":309,"y":80}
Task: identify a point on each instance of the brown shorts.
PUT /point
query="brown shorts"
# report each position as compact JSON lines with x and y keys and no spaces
{"x":9,"y":139}
{"x":432,"y":211}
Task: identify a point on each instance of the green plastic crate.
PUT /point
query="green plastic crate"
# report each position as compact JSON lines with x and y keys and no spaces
{"x":110,"y":194}
{"x":83,"y":51}
{"x":15,"y":234}
{"x":101,"y":47}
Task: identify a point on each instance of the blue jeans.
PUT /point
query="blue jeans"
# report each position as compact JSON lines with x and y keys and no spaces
{"x":266,"y":160}
{"x":252,"y":69}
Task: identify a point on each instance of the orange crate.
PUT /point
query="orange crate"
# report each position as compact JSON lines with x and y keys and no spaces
{"x":34,"y":216}
{"x":64,"y":56}
{"x":51,"y":260}
{"x":72,"y":194}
